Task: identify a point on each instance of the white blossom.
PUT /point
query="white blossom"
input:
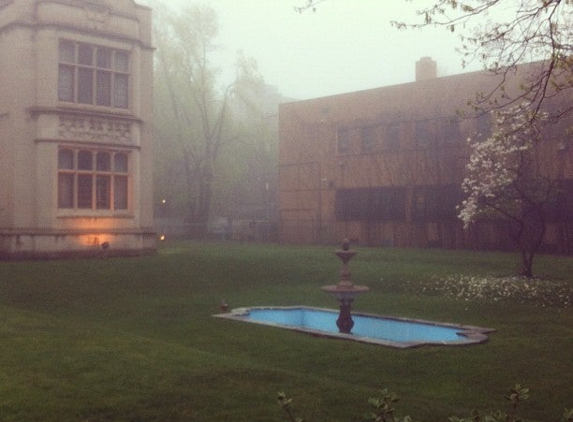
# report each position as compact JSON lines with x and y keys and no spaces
{"x":493,"y":165}
{"x":538,"y":292}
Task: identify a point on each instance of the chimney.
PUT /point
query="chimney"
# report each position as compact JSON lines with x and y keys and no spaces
{"x":426,"y":68}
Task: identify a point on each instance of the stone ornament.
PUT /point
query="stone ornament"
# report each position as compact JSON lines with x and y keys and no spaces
{"x":91,"y":129}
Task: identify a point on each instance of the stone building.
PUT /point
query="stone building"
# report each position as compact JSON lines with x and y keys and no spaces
{"x":76,"y":80}
{"x":384,"y":166}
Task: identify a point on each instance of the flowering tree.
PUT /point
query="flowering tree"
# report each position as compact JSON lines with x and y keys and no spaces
{"x":505,"y":180}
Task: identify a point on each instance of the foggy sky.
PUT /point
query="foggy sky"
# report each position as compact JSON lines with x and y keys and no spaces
{"x":346,"y":45}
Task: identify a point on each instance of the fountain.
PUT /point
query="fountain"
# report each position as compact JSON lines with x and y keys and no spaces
{"x":345,"y":291}
{"x":372,"y":329}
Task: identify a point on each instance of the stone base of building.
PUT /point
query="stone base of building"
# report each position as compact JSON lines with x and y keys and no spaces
{"x":56,"y":245}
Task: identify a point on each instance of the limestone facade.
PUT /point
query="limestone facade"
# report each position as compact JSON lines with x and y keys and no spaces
{"x":76,"y":79}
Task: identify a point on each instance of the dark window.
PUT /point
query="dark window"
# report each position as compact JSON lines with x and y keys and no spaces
{"x":85,"y":86}
{"x":103,"y":88}
{"x":66,"y":83}
{"x":84,"y":160}
{"x":483,"y":126}
{"x":120,"y":162}
{"x":67,"y":52}
{"x":423,"y":134}
{"x":66,"y":190}
{"x":104,"y":58}
{"x":393,"y":137}
{"x":103,"y":191}
{"x":85,"y":54}
{"x":120,"y":193}
{"x":93,"y":75}
{"x":368,"y":139}
{"x":342,"y":141}
{"x":451,"y":131}
{"x":436,"y":202}
{"x":120,"y":90}
{"x":92,"y":179}
{"x":66,"y":180}
{"x":85,"y":190}
{"x":66,"y":159}
{"x":370,"y":204}
{"x":103,"y":161}
{"x":121,"y":63}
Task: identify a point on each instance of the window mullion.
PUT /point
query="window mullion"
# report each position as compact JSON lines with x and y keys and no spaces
{"x":76,"y":83}
{"x":94,"y":181}
{"x":112,"y":82}
{"x":75,"y":187}
{"x":112,"y":88}
{"x":76,"y":73}
{"x":112,"y":191}
{"x":75,"y":179}
{"x":94,"y":85}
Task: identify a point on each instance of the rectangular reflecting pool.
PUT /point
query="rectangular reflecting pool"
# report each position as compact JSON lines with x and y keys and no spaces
{"x":368,"y":328}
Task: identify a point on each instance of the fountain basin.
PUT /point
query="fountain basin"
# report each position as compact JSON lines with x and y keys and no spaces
{"x":368,"y":328}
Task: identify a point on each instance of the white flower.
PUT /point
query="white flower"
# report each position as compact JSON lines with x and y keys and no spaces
{"x":493,"y":166}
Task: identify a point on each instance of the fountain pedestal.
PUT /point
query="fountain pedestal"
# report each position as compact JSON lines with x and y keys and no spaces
{"x":344,"y":321}
{"x":345,"y":291}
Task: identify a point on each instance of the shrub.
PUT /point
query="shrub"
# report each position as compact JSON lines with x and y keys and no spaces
{"x":383,"y":409}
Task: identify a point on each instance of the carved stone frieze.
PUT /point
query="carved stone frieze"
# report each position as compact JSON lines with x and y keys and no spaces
{"x":94,"y":129}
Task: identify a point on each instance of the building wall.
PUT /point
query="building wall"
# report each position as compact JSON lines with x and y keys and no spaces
{"x":36,"y":124}
{"x":396,"y":157}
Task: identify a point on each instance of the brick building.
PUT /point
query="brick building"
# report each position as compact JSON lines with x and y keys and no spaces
{"x":384,"y":166}
{"x":76,"y":81}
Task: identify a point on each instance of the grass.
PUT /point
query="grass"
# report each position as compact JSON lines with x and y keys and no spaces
{"x":134,"y":339}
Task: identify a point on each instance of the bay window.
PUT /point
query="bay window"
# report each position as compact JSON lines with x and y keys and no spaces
{"x":92,"y":179}
{"x":90,"y":74}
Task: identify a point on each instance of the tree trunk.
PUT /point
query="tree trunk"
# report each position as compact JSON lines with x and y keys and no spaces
{"x":527,"y":264}
{"x":529,"y":237}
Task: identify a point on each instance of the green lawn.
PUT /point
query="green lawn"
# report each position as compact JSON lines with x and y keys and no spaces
{"x":133,"y":339}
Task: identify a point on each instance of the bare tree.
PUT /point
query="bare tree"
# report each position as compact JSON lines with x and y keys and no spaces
{"x":196,"y":105}
{"x":308,"y":5}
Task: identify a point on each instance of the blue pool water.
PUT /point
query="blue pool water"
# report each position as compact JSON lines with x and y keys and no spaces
{"x":367,"y":328}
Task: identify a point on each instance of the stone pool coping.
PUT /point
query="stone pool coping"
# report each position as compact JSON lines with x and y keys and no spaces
{"x":470,"y":334}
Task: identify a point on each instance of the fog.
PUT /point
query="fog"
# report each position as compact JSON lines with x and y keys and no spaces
{"x":344,"y":46}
